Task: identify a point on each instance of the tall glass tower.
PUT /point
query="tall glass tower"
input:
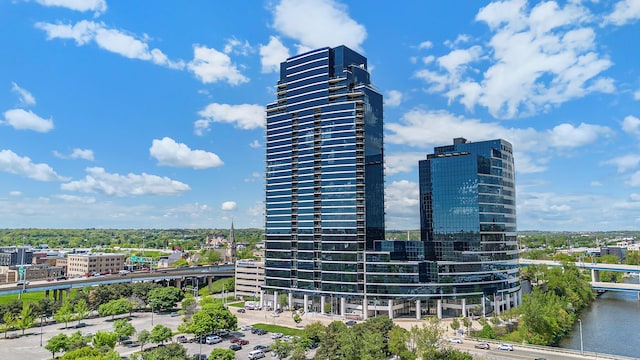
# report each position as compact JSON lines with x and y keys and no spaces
{"x":468,"y":221}
{"x":324,"y":179}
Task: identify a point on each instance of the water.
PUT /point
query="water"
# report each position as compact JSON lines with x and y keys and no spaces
{"x":610,"y":325}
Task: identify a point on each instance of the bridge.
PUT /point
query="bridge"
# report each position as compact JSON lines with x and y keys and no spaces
{"x":595,"y":268}
{"x":175,"y":275}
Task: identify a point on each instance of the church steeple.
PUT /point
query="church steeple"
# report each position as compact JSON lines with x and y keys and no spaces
{"x":231,"y":245}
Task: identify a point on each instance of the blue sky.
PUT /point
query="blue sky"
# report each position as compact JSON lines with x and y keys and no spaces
{"x":147,"y":114}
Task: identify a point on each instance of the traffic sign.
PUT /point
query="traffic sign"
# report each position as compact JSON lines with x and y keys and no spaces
{"x":21,"y":270}
{"x":134,"y":259}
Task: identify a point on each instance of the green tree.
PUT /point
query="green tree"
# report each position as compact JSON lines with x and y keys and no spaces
{"x":283,"y":300}
{"x":104,"y":341}
{"x":455,"y":324}
{"x":282,"y":349}
{"x":123,"y":328}
{"x":56,"y":344}
{"x":25,"y":320}
{"x":8,"y":320}
{"x":81,"y":310}
{"x":467,"y":323}
{"x":423,"y":340}
{"x":164,"y":298}
{"x":115,"y":307}
{"x":143,"y":337}
{"x":315,"y":331}
{"x":222,"y":354}
{"x":330,"y":346}
{"x":64,"y":313}
{"x":160,"y":334}
{"x":82,"y":353}
{"x":208,"y":320}
{"x":297,"y":318}
{"x":77,"y":341}
{"x":169,"y":352}
{"x":398,"y":338}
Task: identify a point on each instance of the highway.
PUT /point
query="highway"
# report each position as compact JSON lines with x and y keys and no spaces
{"x":155,"y":275}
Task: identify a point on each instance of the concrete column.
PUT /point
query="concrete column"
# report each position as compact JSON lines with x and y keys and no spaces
{"x":418,"y":310}
{"x":464,"y":307}
{"x":365,"y":309}
{"x":343,"y":306}
{"x":439,"y":309}
{"x":520,"y":297}
{"x":179,"y":283}
{"x":595,"y":275}
{"x":508,"y":300}
{"x":275,"y":300}
{"x":322,"y":305}
{"x":305,"y":303}
{"x":497,"y":301}
{"x":209,"y":282}
{"x":46,"y":294}
{"x":60,"y":296}
{"x":390,"y":308}
{"x":484,"y":306}
{"x":261,"y":298}
{"x":68,"y":291}
{"x":290,"y":301}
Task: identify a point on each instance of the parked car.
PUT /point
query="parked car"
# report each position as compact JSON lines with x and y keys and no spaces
{"x":507,"y":347}
{"x":246,"y":327}
{"x":242,"y":342}
{"x":276,"y":335}
{"x":213,"y":339}
{"x":260,"y":347}
{"x":351,"y":322}
{"x":242,"y":311}
{"x":256,"y":354}
{"x":455,"y":340}
{"x":79,"y":325}
{"x":200,"y":357}
{"x":484,"y":346}
{"x":181,"y":339}
{"x":235,"y":347}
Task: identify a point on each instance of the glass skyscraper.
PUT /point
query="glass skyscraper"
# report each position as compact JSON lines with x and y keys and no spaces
{"x":324,"y":179}
{"x":468,"y":221}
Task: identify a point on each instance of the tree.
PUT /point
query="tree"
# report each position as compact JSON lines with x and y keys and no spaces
{"x":455,"y":324}
{"x":209,"y":319}
{"x":315,"y":331}
{"x":164,"y":298}
{"x":8,"y":321}
{"x":56,"y":344}
{"x":330,"y":346}
{"x":25,"y":320}
{"x":104,"y":341}
{"x":115,"y":307}
{"x":282,"y":349}
{"x":222,"y":354}
{"x":77,"y":341}
{"x":143,"y":338}
{"x":85,"y":352}
{"x":423,"y":340}
{"x":169,"y":352}
{"x":467,"y":323}
{"x":81,"y":310}
{"x":65,"y":313}
{"x":398,"y":338}
{"x":160,"y":334}
{"x":283,"y":300}
{"x":297,"y":318}
{"x":123,"y":328}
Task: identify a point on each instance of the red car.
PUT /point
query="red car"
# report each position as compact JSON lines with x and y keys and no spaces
{"x":234,"y":340}
{"x":242,"y":342}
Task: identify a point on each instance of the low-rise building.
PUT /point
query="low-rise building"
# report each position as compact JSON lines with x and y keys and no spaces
{"x":94,"y":263}
{"x":249,"y":278}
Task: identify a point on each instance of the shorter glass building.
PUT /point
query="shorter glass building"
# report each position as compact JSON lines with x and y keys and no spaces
{"x":468,"y":222}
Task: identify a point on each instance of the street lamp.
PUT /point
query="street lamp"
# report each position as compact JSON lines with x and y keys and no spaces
{"x":41,"y":320}
{"x":581,"y":344}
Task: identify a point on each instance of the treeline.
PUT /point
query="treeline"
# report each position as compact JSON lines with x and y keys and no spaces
{"x":188,"y":239}
{"x":549,"y":312}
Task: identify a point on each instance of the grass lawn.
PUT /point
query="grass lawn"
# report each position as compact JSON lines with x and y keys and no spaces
{"x":239,"y":304}
{"x":30,"y":296}
{"x":216,"y":287}
{"x":281,"y":329}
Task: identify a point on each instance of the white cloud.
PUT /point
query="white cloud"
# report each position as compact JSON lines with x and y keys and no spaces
{"x":76,"y":199}
{"x":636,"y":95}
{"x":596,"y":184}
{"x":394,"y":98}
{"x":97,"y":6}
{"x":228,"y":206}
{"x":537,"y":58}
{"x":113,"y":40}
{"x":255,"y":176}
{"x":317,"y":24}
{"x":244,"y":116}
{"x":85,"y":154}
{"x":625,"y":11}
{"x":634,"y":197}
{"x":99,"y":181}
{"x":397,"y":162}
{"x":569,"y":136}
{"x":631,"y":125}
{"x":210,"y":65}
{"x":170,"y":153}
{"x":425,"y":129}
{"x":634,"y":180}
{"x":272,"y":54}
{"x":236,"y":46}
{"x":12,"y":163}
{"x":425,"y":45}
{"x":15,"y":193}
{"x":21,"y":119}
{"x":24,"y":96}
{"x":255,"y":144}
{"x":402,"y":203}
{"x":624,"y":163}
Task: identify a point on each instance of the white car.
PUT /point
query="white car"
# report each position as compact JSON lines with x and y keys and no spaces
{"x":276,"y":335}
{"x":507,"y":347}
{"x":455,"y":340}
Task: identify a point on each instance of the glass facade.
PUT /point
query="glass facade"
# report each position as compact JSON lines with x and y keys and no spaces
{"x":468,"y":217}
{"x":324,"y":174}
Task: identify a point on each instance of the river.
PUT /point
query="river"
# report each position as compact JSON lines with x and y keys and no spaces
{"x":609,"y":325}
